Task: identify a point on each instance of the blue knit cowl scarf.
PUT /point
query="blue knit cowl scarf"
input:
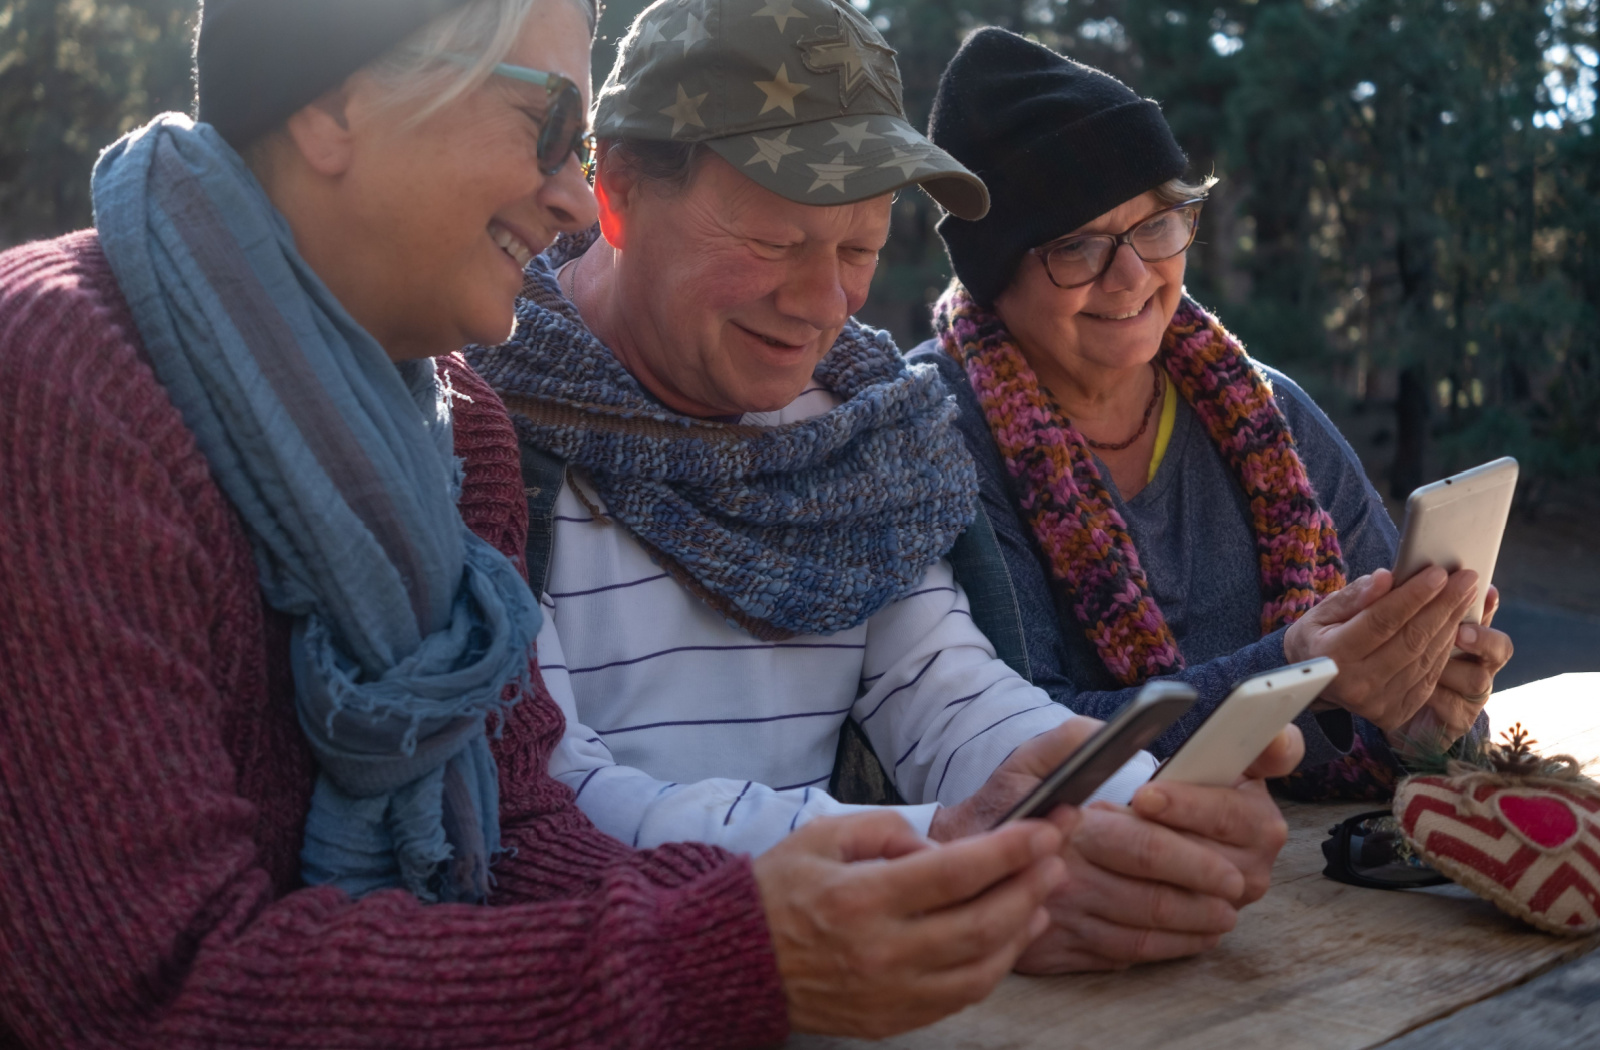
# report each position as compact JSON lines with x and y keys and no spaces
{"x":409,"y":628}
{"x":804,"y":528}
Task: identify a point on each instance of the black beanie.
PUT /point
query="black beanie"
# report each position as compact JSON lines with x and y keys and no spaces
{"x":1057,"y":143}
{"x":258,"y":61}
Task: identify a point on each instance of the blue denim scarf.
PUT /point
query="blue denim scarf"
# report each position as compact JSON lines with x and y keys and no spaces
{"x":409,"y":628}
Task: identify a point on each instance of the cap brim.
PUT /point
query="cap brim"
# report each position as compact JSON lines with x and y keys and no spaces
{"x":853,"y":159}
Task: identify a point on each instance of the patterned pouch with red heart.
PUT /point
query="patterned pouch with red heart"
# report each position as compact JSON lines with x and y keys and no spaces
{"x":1529,"y":843}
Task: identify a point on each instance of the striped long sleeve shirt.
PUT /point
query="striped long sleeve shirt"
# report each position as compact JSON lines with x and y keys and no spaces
{"x":681,"y":726}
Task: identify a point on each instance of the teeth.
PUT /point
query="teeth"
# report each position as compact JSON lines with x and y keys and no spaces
{"x":511,"y":244}
{"x":1120,"y":317}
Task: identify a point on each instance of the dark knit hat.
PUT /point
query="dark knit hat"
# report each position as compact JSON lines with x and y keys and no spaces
{"x":1057,"y":143}
{"x":258,"y":61}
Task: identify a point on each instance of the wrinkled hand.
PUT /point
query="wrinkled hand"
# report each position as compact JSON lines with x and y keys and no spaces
{"x":1018,"y":774}
{"x":1165,"y":878}
{"x":1463,"y":688}
{"x":872,"y":949}
{"x":1391,"y":643}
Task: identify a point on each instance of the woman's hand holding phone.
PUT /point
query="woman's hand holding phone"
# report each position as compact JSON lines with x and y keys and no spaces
{"x":1392,"y":643}
{"x":1465,"y":685}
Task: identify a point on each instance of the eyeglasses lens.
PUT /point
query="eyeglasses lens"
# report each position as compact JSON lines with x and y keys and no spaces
{"x":563,"y":131}
{"x":1081,"y":259}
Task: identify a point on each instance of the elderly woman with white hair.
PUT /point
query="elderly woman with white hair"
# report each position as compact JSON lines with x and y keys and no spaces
{"x":272,"y":748}
{"x":1166,"y":505}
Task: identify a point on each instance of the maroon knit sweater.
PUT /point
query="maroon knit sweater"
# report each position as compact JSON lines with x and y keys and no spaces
{"x":154,"y":782}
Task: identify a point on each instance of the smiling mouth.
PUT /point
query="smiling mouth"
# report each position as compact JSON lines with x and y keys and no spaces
{"x":519,"y":250}
{"x":1120,"y":317}
{"x":776,"y":344}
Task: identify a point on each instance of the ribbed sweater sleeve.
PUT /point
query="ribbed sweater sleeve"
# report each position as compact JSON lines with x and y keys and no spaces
{"x":145,"y":903}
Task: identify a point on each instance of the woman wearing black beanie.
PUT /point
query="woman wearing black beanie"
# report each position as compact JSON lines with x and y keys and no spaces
{"x":1166,"y":505}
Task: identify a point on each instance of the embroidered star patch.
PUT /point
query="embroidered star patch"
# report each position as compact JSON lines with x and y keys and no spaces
{"x":859,"y":61}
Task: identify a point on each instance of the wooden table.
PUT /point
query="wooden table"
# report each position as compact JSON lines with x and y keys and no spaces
{"x":1322,"y":966}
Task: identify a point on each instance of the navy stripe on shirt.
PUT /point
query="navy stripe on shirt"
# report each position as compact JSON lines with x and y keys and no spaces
{"x":804,"y":783}
{"x":609,"y":587}
{"x":720,"y":721}
{"x":713,"y":649}
{"x":975,"y":736}
{"x":804,"y":799}
{"x":586,"y":780}
{"x":736,"y":802}
{"x":897,"y":689}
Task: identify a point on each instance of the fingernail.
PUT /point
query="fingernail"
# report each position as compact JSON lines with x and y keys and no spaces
{"x":1469,"y":634}
{"x":1040,"y":923}
{"x":1151,"y":801}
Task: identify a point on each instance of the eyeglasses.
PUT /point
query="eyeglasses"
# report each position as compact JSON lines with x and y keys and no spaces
{"x":564,"y":129}
{"x":1370,"y":850}
{"x":1083,"y":258}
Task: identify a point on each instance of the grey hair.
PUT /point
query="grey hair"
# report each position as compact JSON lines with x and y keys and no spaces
{"x":1175,"y":191}
{"x":670,"y":165}
{"x":486,"y":30}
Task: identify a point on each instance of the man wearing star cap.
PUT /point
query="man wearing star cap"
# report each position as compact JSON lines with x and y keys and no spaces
{"x":802,"y":97}
{"x":741,"y":500}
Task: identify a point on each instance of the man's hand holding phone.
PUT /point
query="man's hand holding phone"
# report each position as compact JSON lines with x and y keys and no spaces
{"x":1165,"y":877}
{"x":1162,"y":879}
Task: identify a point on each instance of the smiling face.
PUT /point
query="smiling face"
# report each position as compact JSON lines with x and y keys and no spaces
{"x":724,"y":295}
{"x":1107,"y":326}
{"x":422,"y":229}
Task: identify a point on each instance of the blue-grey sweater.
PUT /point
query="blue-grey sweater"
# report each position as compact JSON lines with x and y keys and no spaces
{"x":1191,"y":526}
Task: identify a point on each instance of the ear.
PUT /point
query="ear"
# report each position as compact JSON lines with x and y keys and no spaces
{"x":321,"y":133}
{"x":615,"y":186}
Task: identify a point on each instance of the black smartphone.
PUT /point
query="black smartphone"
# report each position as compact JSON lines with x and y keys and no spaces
{"x":1146,"y":716}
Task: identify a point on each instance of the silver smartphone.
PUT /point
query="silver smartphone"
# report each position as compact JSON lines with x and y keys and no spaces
{"x":1457,"y":524}
{"x":1145,"y":717}
{"x":1245,"y":722}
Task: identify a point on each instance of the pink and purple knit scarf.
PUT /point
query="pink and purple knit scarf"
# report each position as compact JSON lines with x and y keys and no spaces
{"x":1086,"y":544}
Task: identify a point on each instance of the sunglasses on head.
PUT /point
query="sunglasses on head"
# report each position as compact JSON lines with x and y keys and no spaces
{"x":1371,"y":850}
{"x":564,"y":129}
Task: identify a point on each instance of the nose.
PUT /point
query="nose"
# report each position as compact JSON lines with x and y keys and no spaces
{"x":1127,"y":270}
{"x":814,"y":291}
{"x":567,"y":199}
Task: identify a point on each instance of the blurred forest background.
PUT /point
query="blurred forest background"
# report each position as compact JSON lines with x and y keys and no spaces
{"x":1408,"y":217}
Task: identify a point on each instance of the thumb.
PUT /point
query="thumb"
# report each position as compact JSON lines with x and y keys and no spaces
{"x":1281,"y":756}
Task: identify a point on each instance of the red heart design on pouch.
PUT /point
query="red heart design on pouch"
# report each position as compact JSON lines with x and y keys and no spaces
{"x":1543,"y":821}
{"x":1533,"y":851}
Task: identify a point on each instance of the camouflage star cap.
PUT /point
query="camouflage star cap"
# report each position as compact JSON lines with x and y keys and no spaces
{"x":803,"y":96}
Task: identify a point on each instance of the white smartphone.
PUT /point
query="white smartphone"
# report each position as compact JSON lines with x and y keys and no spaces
{"x":1141,"y":720}
{"x":1457,"y":524}
{"x":1245,"y":722}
